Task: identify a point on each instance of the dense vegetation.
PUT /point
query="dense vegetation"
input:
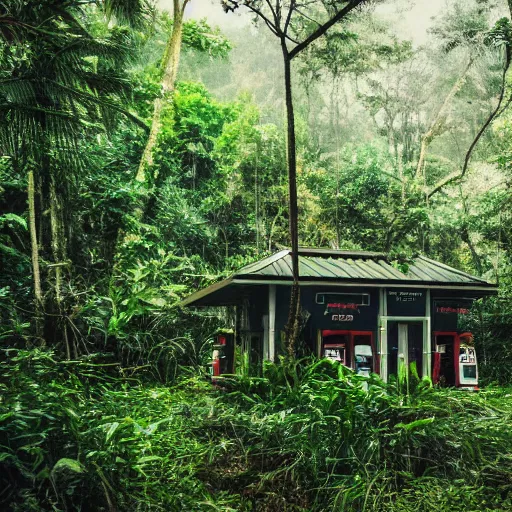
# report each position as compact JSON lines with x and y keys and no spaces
{"x":401,"y":147}
{"x":88,"y":436}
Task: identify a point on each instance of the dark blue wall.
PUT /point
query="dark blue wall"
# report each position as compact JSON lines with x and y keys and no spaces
{"x":450,"y":309}
{"x":364,"y":318}
{"x":406,"y":301}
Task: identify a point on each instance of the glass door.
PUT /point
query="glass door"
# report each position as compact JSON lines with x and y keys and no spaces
{"x":405,"y":346}
{"x":415,"y":346}
{"x":444,"y":367}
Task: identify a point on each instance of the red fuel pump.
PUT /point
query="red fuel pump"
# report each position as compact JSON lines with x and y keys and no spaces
{"x":454,"y":361}
{"x":223,"y":354}
{"x":354,"y":349}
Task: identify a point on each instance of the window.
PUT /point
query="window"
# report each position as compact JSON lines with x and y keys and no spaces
{"x":469,"y":371}
{"x":360,"y":299}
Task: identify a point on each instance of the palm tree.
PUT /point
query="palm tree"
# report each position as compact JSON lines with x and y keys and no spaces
{"x":60,"y":85}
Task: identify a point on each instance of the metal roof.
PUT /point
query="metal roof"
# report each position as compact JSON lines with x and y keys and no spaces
{"x":359,"y":268}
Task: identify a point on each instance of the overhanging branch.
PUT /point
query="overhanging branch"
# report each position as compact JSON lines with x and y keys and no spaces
{"x":272,"y":26}
{"x":322,"y":29}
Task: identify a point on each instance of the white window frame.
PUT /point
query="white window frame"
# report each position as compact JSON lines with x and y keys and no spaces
{"x":341,"y":295}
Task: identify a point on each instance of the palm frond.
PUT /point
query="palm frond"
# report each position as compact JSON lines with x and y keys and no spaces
{"x":134,"y":12}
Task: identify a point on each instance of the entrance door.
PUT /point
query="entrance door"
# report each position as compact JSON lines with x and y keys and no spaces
{"x":405,"y":346}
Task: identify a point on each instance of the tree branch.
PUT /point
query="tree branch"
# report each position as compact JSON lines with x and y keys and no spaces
{"x":289,"y":16}
{"x":270,"y":25}
{"x":102,"y":103}
{"x":274,"y":13}
{"x":294,"y":41}
{"x":307,"y":17}
{"x":322,"y":29}
{"x":440,"y":119}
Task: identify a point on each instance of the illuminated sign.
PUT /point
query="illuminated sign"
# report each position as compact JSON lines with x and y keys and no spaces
{"x":451,"y":314}
{"x":357,"y":299}
{"x":344,"y":309}
{"x":458,"y":311}
{"x":339,"y":305}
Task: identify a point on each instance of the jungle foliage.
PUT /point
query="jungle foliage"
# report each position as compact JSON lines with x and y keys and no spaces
{"x":104,"y":399}
{"x":89,"y":435}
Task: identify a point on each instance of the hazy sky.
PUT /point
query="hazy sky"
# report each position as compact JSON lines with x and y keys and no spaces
{"x":411,"y":18}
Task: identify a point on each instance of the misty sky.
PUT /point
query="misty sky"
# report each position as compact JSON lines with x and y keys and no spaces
{"x":411,"y":18}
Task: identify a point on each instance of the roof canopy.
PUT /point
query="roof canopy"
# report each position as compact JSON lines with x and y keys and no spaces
{"x":337,"y":268}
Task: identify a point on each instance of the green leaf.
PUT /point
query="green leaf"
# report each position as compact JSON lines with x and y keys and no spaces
{"x":111,"y":430}
{"x":149,"y":458}
{"x":12,"y":218}
{"x":5,"y":455}
{"x":68,"y":465}
{"x":415,"y":424}
{"x":155,"y":301}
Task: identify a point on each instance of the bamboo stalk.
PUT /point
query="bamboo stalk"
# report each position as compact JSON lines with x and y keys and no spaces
{"x":38,"y":294}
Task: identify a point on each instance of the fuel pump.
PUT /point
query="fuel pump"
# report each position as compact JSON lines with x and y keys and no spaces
{"x":454,"y":361}
{"x":335,"y":352}
{"x":363,"y":357}
{"x":353,"y":349}
{"x":467,"y":374}
{"x":223,"y":354}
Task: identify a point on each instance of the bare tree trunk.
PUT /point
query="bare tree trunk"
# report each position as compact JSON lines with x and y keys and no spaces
{"x":466,"y":237}
{"x":59,"y":253}
{"x":256,"y":201}
{"x":292,"y":326}
{"x":170,"y":64}
{"x":56,"y":241}
{"x":401,"y":174}
{"x":272,"y":226}
{"x":38,"y":294}
{"x":440,"y":119}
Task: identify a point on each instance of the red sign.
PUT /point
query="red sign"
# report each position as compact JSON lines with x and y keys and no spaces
{"x":447,"y":309}
{"x":339,"y":305}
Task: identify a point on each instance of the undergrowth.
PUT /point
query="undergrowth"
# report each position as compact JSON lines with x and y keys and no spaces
{"x":88,"y":436}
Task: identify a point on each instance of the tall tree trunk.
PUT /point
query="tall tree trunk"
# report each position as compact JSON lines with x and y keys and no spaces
{"x":38,"y":294}
{"x":170,"y":64}
{"x":292,"y":326}
{"x":59,"y":252}
{"x":256,"y":201}
{"x":280,"y":30}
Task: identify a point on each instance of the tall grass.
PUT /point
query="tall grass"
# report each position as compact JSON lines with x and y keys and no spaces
{"x":305,"y":436}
